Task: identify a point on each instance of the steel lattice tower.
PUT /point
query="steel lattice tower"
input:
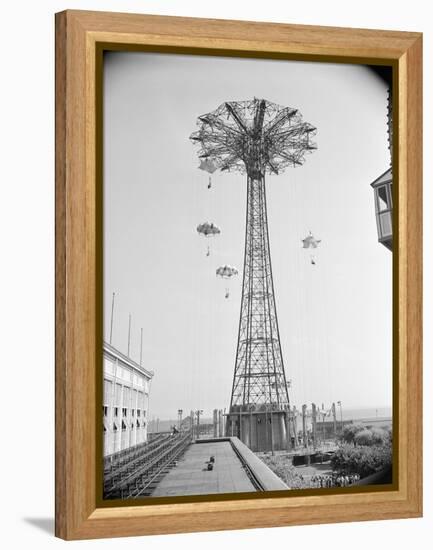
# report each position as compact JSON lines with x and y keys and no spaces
{"x":256,"y":137}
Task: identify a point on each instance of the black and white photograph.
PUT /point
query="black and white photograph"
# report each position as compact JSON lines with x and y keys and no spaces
{"x":247,"y":276}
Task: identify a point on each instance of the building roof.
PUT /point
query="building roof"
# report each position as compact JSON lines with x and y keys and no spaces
{"x":115,"y":353}
{"x":386,"y":177}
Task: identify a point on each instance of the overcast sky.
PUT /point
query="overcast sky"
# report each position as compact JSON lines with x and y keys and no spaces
{"x":335,"y":317}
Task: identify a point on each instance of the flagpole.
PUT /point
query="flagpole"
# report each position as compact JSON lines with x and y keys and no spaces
{"x":129,"y":334}
{"x":112,"y":317}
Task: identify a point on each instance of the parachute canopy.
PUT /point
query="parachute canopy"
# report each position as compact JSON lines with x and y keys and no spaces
{"x":226,"y":271}
{"x":208,"y":229}
{"x":207,"y":165}
{"x":310,"y":241}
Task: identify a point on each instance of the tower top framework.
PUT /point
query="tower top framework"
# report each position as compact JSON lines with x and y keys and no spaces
{"x":254,"y":137}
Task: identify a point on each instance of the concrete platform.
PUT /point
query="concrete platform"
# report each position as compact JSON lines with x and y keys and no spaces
{"x":191,"y":476}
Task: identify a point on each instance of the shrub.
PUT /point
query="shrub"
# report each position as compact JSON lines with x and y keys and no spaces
{"x":372,"y":436}
{"x":380,"y":436}
{"x":364,"y":437}
{"x":350,"y":431}
{"x":282,"y":467}
{"x":362,"y":460}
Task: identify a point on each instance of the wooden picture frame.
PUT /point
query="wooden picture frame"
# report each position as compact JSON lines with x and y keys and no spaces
{"x":80,"y":40}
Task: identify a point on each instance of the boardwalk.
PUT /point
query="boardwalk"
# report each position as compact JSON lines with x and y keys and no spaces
{"x":191,"y":476}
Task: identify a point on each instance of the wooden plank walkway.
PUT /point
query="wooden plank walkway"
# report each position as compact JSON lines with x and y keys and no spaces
{"x":191,"y":476}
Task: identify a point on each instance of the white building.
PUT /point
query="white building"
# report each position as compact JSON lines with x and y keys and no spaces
{"x":383,"y":204}
{"x":125,"y":401}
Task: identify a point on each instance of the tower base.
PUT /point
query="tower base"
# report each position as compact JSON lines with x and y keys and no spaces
{"x":261,"y":430}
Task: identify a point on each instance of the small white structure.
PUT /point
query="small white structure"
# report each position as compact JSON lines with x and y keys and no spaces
{"x":383,"y":204}
{"x":125,"y":401}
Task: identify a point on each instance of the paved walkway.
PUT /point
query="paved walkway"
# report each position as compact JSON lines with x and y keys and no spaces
{"x":191,"y":476}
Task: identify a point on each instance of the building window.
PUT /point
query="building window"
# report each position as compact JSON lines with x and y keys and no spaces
{"x":116,"y":411}
{"x":144,"y":413}
{"x":123,"y":426}
{"x":138,"y":412}
{"x":133,"y":412}
{"x":114,"y":427}
{"x":124,"y":412}
{"x":382,"y":199}
{"x":105,"y":410}
{"x":138,"y":424}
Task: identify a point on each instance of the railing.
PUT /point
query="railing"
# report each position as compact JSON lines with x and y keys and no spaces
{"x":138,"y":456}
{"x":132,"y":477}
{"x":114,"y":460}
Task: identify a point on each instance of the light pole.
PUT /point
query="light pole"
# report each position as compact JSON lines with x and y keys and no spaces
{"x":112,"y":317}
{"x":341,"y":415}
{"x":304,"y":426}
{"x":334,"y":421}
{"x":323,"y":414}
{"x":198,"y":413}
{"x":314,"y":424}
{"x":191,"y":420}
{"x":179,"y":418}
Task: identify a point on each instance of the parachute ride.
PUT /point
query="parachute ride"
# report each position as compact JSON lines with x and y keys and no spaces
{"x":311,"y":242}
{"x":226,"y":272}
{"x":208,"y":229}
{"x":208,"y":166}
